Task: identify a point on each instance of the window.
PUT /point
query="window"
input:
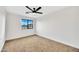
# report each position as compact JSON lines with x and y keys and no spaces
{"x":29,"y":24}
{"x":26,"y":24}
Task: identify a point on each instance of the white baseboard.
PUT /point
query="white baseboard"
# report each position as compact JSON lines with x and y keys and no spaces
{"x":57,"y":40}
{"x":2,"y":44}
{"x":12,"y":38}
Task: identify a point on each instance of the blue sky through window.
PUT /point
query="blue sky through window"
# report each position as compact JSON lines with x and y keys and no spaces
{"x":23,"y":22}
{"x":29,"y":21}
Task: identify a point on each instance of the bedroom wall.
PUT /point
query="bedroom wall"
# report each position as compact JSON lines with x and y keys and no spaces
{"x":61,"y":26}
{"x":2,"y":27}
{"x":13,"y":28}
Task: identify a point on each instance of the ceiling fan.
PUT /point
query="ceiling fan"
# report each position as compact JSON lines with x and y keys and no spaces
{"x":34,"y":10}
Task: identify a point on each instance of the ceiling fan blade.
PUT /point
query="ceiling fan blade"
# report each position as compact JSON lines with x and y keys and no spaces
{"x":38,"y":9}
{"x":39,"y":12}
{"x":29,"y":8}
{"x":28,"y":12}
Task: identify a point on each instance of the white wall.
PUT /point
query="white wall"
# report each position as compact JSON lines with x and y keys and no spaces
{"x":13,"y":28}
{"x":2,"y":27}
{"x":61,"y":26}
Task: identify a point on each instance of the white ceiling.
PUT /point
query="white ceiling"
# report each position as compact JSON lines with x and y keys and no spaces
{"x":20,"y":10}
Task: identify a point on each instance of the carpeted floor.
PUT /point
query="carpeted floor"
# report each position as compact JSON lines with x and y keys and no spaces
{"x":36,"y":44}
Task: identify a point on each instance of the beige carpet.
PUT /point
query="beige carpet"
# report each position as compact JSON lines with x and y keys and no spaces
{"x":36,"y":44}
